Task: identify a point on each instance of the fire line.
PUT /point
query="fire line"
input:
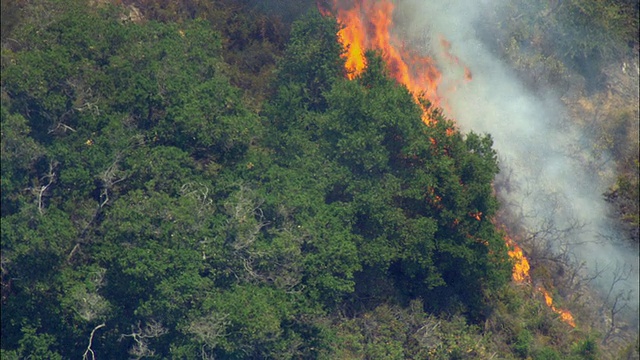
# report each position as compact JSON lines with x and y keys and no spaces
{"x":368,"y":25}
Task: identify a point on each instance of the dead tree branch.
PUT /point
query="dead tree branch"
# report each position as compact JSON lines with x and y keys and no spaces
{"x":619,"y":302}
{"x":41,"y":191}
{"x":141,"y":336}
{"x":109,"y":178}
{"x":85,"y":356}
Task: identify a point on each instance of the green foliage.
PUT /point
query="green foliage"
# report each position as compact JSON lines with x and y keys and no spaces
{"x":252,"y":319}
{"x":142,"y":190}
{"x":522,"y":344}
{"x":371,"y":131}
{"x":210,"y":119}
{"x":10,"y":11}
{"x":390,"y":332}
{"x":19,"y":153}
{"x":35,"y":346}
{"x":625,"y":195}
{"x":587,"y":349}
{"x":547,"y":354}
{"x":595,"y":27}
{"x":312,"y":60}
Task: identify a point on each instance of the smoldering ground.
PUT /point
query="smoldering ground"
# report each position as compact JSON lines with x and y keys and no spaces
{"x":550,"y":182}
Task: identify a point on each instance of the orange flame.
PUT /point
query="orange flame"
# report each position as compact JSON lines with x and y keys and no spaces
{"x":520,"y":274}
{"x":521,"y":266}
{"x":368,"y":25}
{"x":564,"y":314}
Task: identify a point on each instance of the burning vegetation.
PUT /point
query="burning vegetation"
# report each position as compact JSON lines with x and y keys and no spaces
{"x":521,"y":275}
{"x":565,"y":315}
{"x":520,"y":263}
{"x":368,"y":25}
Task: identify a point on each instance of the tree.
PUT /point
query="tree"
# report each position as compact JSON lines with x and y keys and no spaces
{"x":19,"y":154}
{"x":312,"y":60}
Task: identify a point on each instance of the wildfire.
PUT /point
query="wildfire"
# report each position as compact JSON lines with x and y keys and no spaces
{"x":520,"y":274}
{"x":564,"y":314}
{"x":521,"y":266}
{"x":368,"y":25}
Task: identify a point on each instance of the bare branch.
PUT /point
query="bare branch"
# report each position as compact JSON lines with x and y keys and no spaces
{"x":64,"y":127}
{"x":210,"y":329}
{"x":73,"y":251}
{"x":41,"y":191}
{"x":620,"y":274}
{"x":619,"y":304}
{"x":140,"y":349}
{"x":60,"y":123}
{"x":109,"y":178}
{"x":200,"y":193}
{"x":85,"y":356}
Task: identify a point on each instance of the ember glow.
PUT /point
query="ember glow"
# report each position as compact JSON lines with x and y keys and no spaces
{"x":368,"y":25}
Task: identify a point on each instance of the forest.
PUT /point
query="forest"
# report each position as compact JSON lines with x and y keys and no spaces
{"x":200,"y":179}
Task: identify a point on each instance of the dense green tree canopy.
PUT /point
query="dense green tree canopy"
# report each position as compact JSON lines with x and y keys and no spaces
{"x":147,"y":207}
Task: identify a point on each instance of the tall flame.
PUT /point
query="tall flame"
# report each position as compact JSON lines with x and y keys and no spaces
{"x":368,"y":25}
{"x":521,"y":264}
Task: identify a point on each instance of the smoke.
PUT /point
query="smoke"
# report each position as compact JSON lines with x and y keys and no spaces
{"x":548,"y":179}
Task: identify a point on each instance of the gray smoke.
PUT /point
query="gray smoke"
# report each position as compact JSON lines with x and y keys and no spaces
{"x":547,"y":178}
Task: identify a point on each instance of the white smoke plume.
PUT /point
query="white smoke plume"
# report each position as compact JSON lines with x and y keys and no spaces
{"x":545,"y":178}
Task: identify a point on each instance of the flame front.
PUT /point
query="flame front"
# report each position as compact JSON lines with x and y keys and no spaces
{"x":564,"y":314}
{"x":520,"y":274}
{"x":521,"y":266}
{"x":368,"y":25}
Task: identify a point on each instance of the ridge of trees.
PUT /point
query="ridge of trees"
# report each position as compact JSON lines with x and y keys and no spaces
{"x":153,"y":209}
